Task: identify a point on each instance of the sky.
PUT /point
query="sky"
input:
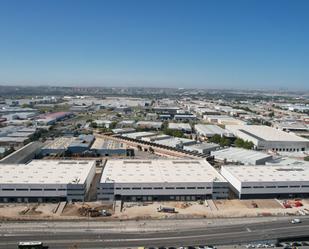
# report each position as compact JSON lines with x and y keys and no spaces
{"x":243,"y":44}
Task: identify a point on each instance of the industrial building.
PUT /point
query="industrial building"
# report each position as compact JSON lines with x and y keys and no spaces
{"x":13,"y":141}
{"x":108,"y":147}
{"x":299,"y":128}
{"x":52,"y":118}
{"x":103,"y":123}
{"x":251,"y":182}
{"x":149,"y":125}
{"x":241,"y":156}
{"x":211,"y":130}
{"x":202,"y":148}
{"x":184,"y":127}
{"x":24,"y":154}
{"x":81,"y":144}
{"x":156,"y":138}
{"x":223,"y":119}
{"x":185,"y":117}
{"x":175,"y":142}
{"x":166,"y":109}
{"x":139,"y":135}
{"x":123,"y":130}
{"x":15,"y":136}
{"x":125,"y":124}
{"x":57,"y":146}
{"x":46,"y":180}
{"x":151,"y":180}
{"x":268,"y":138}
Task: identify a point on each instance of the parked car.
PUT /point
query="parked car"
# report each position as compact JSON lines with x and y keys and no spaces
{"x":295,"y":221}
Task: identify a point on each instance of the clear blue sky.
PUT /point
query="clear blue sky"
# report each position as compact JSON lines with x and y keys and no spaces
{"x":168,"y":43}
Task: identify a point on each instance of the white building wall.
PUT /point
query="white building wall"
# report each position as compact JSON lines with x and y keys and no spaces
{"x":108,"y":190}
{"x":233,"y":181}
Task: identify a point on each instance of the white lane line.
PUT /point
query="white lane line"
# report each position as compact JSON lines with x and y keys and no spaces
{"x":249,"y":230}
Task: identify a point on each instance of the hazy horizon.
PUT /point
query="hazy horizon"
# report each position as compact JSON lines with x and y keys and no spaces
{"x":179,"y":44}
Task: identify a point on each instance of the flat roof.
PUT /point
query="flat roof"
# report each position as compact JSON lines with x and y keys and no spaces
{"x":139,"y":134}
{"x":239,"y":155}
{"x":269,"y":173}
{"x":209,"y":129}
{"x":123,"y":130}
{"x":59,"y":143}
{"x":101,"y":143}
{"x":203,"y":146}
{"x":179,"y":126}
{"x":13,"y":139}
{"x":266,"y":133}
{"x":174,"y":141}
{"x":149,"y":123}
{"x":154,"y":171}
{"x":46,"y":172}
{"x":20,"y":134}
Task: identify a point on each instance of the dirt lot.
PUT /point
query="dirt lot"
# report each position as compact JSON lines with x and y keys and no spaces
{"x":207,"y":209}
{"x":24,"y":211}
{"x":210,"y":209}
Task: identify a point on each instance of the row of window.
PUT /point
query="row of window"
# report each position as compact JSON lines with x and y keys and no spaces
{"x":158,"y":188}
{"x":33,"y":189}
{"x":292,"y":186}
{"x":287,"y":149}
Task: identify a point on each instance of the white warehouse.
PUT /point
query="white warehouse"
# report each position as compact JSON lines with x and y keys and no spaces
{"x":268,"y":138}
{"x":46,"y":180}
{"x":211,"y":130}
{"x":151,"y":180}
{"x":251,"y":182}
{"x":241,"y":156}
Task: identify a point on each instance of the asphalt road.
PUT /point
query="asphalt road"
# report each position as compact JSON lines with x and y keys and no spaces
{"x":92,"y":237}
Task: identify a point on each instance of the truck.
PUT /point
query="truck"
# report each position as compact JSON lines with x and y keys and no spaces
{"x":32,"y":245}
{"x":166,"y":210}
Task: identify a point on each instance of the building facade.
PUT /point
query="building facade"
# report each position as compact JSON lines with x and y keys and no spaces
{"x":152,"y":180}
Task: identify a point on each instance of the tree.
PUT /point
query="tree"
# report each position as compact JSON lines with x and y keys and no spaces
{"x":244,"y":144}
{"x":215,"y":139}
{"x":239,"y":142}
{"x":174,"y":133}
{"x":94,"y":125}
{"x":151,"y":150}
{"x":224,"y":142}
{"x":113,"y":125}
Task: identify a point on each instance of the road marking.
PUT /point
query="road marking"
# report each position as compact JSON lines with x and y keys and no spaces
{"x":249,"y":230}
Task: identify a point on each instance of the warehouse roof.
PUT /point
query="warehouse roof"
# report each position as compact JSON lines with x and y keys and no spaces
{"x":240,"y":155}
{"x":101,"y":143}
{"x":156,"y":137}
{"x":154,"y":124}
{"x":211,"y":130}
{"x":269,"y":173}
{"x":174,"y":141}
{"x":202,"y":146}
{"x":179,"y":126}
{"x":265,"y":133}
{"x":132,"y":171}
{"x":20,"y":134}
{"x":137,"y":135}
{"x":59,"y":143}
{"x":13,"y":139}
{"x":46,"y":172}
{"x":123,"y":130}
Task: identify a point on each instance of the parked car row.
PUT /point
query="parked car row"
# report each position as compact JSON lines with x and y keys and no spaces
{"x":182,"y":247}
